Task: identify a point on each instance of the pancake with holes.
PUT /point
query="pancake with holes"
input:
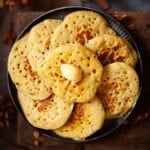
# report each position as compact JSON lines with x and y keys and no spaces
{"x":119,"y":89}
{"x":86,"y":119}
{"x":40,"y":41}
{"x":112,"y":48}
{"x":21,"y":73}
{"x":80,"y":26}
{"x":74,"y":72}
{"x":134,"y":53}
{"x":47,"y":114}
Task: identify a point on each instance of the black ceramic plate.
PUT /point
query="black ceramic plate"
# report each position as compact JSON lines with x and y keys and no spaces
{"x":60,"y":13}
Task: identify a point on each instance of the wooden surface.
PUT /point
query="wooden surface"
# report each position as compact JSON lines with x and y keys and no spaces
{"x":134,"y":134}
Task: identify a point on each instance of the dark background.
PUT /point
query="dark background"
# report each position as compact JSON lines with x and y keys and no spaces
{"x":9,"y":121}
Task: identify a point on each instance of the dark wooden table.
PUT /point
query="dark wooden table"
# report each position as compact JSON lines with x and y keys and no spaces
{"x":134,"y":134}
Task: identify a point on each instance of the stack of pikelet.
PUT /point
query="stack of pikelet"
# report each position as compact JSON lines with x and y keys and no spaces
{"x":73,"y":74}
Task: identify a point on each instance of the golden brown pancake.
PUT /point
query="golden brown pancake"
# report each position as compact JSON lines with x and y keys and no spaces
{"x":47,"y":114}
{"x":79,"y":27}
{"x":40,"y":41}
{"x":20,"y":70}
{"x":112,"y":48}
{"x":86,"y":119}
{"x":85,"y":63}
{"x":118,"y":89}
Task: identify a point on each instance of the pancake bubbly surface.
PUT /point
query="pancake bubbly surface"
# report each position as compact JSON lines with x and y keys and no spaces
{"x":20,"y":70}
{"x":85,"y":120}
{"x":79,"y":27}
{"x":118,"y":89}
{"x":47,"y":114}
{"x":112,"y":48}
{"x":40,"y":41}
{"x":83,"y":60}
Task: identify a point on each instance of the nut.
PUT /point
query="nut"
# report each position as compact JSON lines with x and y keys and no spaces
{"x":71,"y":72}
{"x":36,"y":142}
{"x":36,"y":134}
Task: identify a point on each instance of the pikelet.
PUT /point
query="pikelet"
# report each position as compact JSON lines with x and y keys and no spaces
{"x":118,"y":89}
{"x":86,"y":119}
{"x":79,"y":27}
{"x":112,"y":48}
{"x":47,"y":114}
{"x":21,"y":73}
{"x":40,"y":42}
{"x":73,"y":72}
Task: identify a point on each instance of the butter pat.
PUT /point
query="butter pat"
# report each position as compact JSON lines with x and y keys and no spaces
{"x":71,"y":72}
